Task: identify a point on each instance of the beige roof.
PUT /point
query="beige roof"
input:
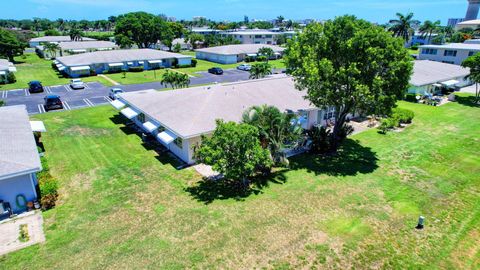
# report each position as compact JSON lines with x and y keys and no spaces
{"x":57,"y":39}
{"x":428,"y":72}
{"x":74,"y":45}
{"x":193,"y":111}
{"x":117,"y":56}
{"x":18,"y":151}
{"x":239,"y":49}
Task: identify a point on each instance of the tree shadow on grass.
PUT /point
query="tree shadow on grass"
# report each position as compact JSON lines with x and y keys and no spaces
{"x":209,"y":190}
{"x":351,"y":159}
{"x":467,"y":100}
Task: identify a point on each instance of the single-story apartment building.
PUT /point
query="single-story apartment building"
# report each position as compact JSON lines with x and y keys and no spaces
{"x":97,"y":62}
{"x":231,"y":54}
{"x":6,"y":67}
{"x":178,"y":118}
{"x":258,"y":36}
{"x":181,"y":41}
{"x":430,"y":77}
{"x":49,"y":39}
{"x":77,"y":47}
{"x":452,"y":53}
{"x":19,"y":158}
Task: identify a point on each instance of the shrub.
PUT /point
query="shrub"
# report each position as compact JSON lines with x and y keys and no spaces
{"x":249,"y":59}
{"x":194,"y":62}
{"x":135,"y":69}
{"x":2,"y":103}
{"x":48,"y":188}
{"x":414,"y":46}
{"x":387,"y":124}
{"x":411,"y":97}
{"x":261,"y":58}
{"x":345,"y":131}
{"x":183,"y":66}
{"x":11,"y":78}
{"x":321,"y":139}
{"x":403,"y":116}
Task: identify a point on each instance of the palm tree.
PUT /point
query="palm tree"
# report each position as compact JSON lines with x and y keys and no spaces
{"x":75,"y":34}
{"x":403,"y":26}
{"x":275,"y":129}
{"x":428,"y":28}
{"x":175,"y":79}
{"x":473,"y":63}
{"x":60,"y":24}
{"x":279,"y":20}
{"x":52,"y":48}
{"x":260,"y":70}
{"x":267,"y":52}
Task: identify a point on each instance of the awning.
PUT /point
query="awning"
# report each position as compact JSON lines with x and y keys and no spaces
{"x":3,"y":72}
{"x":155,"y":61}
{"x":12,"y":69}
{"x":62,"y":68}
{"x":149,"y":126}
{"x":80,"y":68}
{"x":252,"y":54}
{"x":141,"y":62}
{"x":437,"y":85}
{"x":449,"y":83}
{"x":55,"y":62}
{"x":79,"y":51}
{"x":130,"y":63}
{"x":38,"y":126}
{"x":166,"y":137}
{"x":277,"y":53}
{"x":115,"y":64}
{"x":117,"y":104}
{"x":104,"y":49}
{"x":129,"y":113}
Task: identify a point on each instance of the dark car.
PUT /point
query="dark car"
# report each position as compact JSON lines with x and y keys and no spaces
{"x":52,"y":102}
{"x":216,"y":71}
{"x":35,"y":87}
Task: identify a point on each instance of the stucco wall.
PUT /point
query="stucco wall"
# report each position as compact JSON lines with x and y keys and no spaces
{"x":10,"y":188}
{"x":217,"y":58}
{"x":440,"y":57}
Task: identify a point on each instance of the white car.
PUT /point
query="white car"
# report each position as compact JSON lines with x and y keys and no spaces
{"x":77,"y":84}
{"x":245,"y":67}
{"x":114,"y":93}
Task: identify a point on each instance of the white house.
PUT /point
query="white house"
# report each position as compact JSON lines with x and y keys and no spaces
{"x":258,"y":36}
{"x":179,"y":118}
{"x":231,"y":54}
{"x":49,"y":39}
{"x":431,"y":77}
{"x":117,"y":60}
{"x":77,"y":47}
{"x":6,"y":67}
{"x":19,"y":158}
{"x":453,"y":53}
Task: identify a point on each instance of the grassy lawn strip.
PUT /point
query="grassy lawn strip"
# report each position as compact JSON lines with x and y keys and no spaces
{"x":30,"y":67}
{"x":122,"y":204}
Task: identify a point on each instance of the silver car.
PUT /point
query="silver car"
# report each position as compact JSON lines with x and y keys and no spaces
{"x":114,"y":92}
{"x":77,"y":84}
{"x":245,"y":67}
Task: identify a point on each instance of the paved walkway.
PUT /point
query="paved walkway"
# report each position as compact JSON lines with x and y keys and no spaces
{"x":109,"y":79}
{"x":10,"y":231}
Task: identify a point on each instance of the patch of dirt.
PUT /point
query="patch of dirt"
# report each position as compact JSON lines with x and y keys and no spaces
{"x":78,"y":130}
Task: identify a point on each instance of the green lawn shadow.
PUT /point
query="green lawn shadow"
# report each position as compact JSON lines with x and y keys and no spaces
{"x":467,"y":100}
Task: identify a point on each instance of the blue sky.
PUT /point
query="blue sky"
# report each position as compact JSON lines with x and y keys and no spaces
{"x":373,"y":10}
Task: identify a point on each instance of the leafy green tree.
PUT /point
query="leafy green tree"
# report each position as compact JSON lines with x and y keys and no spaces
{"x":177,"y":47}
{"x":267,"y":52}
{"x":233,"y":150}
{"x":175,"y":79}
{"x":350,"y":64}
{"x":10,"y":46}
{"x":260,"y":70}
{"x":275,"y":129}
{"x":75,"y":34}
{"x":52,"y":32}
{"x":473,"y":63}
{"x":172,"y":31}
{"x":428,"y":28}
{"x":194,"y":39}
{"x":140,"y":28}
{"x":403,"y":26}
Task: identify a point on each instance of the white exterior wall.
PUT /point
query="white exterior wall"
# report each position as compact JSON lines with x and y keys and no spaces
{"x":462,"y":54}
{"x":217,"y":58}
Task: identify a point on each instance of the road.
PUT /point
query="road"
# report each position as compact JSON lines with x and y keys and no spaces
{"x":97,"y":94}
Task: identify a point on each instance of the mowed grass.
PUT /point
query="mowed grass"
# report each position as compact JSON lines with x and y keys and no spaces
{"x":122,"y":205}
{"x":30,"y":67}
{"x":137,"y":77}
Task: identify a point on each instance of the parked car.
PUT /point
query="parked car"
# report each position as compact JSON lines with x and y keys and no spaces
{"x":114,"y":93}
{"x":245,"y":67}
{"x":77,"y":84}
{"x":216,"y":71}
{"x":52,"y":102}
{"x":35,"y":87}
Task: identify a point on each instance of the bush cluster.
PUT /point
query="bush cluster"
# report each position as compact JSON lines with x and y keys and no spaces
{"x":48,"y":188}
{"x":135,"y":69}
{"x":322,"y":138}
{"x":194,"y":63}
{"x":249,"y":59}
{"x":398,"y":117}
{"x":261,"y":58}
{"x":411,"y":98}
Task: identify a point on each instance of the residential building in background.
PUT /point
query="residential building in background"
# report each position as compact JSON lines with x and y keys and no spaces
{"x":231,"y":54}
{"x":453,"y":53}
{"x":6,"y":67}
{"x":76,"y":47}
{"x":454,"y":21}
{"x":258,"y":36}
{"x":472,"y":24}
{"x":48,"y":39}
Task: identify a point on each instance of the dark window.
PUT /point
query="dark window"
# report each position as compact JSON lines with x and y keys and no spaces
{"x":429,"y":51}
{"x":141,"y":118}
{"x":471,"y":53}
{"x":178,"y":142}
{"x":450,"y":53}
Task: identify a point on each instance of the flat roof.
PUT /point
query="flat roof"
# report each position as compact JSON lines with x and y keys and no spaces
{"x":191,"y":112}
{"x":239,"y":49}
{"x":454,"y":46}
{"x":86,"y":45}
{"x":427,"y":72}
{"x":116,"y":56}
{"x":18,"y":150}
{"x":57,"y":39}
{"x":255,"y":32}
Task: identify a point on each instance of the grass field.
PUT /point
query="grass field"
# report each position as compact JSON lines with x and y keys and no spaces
{"x":122,"y":205}
{"x":137,"y":77}
{"x":30,"y":67}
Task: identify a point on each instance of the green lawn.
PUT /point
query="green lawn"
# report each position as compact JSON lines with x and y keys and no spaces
{"x":411,"y":51}
{"x":122,"y":205}
{"x":137,"y":77}
{"x":30,"y":67}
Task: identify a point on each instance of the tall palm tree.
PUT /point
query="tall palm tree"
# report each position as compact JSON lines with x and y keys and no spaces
{"x":75,"y":34}
{"x":403,"y":26}
{"x":428,"y":28}
{"x":260,"y":70}
{"x":52,"y":48}
{"x":275,"y":128}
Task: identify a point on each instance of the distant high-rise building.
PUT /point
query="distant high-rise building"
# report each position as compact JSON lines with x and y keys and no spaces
{"x":245,"y":19}
{"x":454,"y":21}
{"x":472,"y":11}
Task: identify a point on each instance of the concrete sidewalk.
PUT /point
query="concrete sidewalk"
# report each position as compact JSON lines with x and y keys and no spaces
{"x":10,"y":232}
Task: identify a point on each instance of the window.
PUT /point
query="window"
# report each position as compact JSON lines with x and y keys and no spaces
{"x":178,"y":142}
{"x":268,"y":36}
{"x":161,"y":129}
{"x":141,"y":117}
{"x":448,"y":62}
{"x":450,"y":53}
{"x":471,"y":53}
{"x":429,"y":51}
{"x":258,"y":36}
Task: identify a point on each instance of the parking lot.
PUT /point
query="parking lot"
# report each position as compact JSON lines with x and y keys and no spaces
{"x":97,"y":94}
